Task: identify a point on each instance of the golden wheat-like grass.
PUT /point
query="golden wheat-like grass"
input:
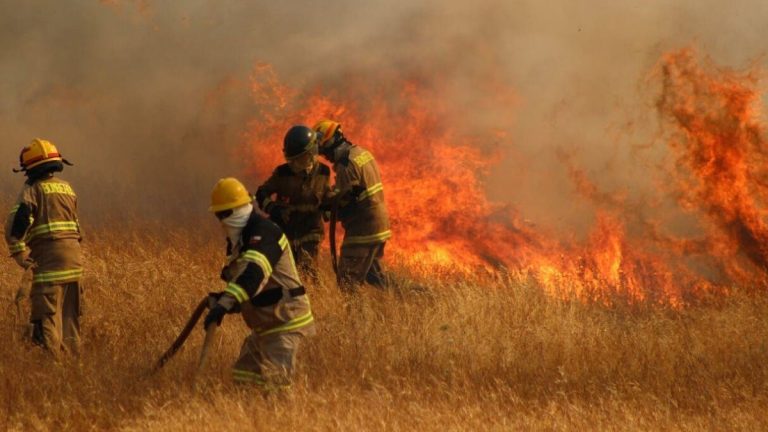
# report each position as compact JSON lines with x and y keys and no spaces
{"x":435,"y":353}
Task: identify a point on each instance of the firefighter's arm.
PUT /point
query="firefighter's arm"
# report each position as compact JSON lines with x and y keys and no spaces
{"x":348,"y":186}
{"x":16,"y":226}
{"x":265,"y":191}
{"x":260,"y":262}
{"x":77,"y":220}
{"x":277,"y":212}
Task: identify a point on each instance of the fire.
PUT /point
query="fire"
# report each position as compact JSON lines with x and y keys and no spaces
{"x":722,"y":145}
{"x":433,"y":172}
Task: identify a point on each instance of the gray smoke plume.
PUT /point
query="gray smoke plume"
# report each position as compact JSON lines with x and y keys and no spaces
{"x":150,"y":99}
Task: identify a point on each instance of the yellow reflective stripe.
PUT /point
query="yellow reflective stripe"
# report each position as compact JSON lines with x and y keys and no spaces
{"x":283,"y":242}
{"x":53,"y":227}
{"x":55,"y":276}
{"x":259,"y":259}
{"x":267,"y":201}
{"x":247,"y":376}
{"x":15,"y":208}
{"x":57,"y":188}
{"x":17,"y":247}
{"x":293,"y":324}
{"x":378,"y":187}
{"x":362,"y":159}
{"x":374,"y":238}
{"x":237,"y":292}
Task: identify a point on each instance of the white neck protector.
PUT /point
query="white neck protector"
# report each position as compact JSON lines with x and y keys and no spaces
{"x":233,"y":224}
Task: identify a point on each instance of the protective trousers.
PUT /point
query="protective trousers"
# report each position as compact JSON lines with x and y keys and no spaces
{"x":361,"y":263}
{"x":55,"y":317}
{"x":268,"y":357}
{"x":267,"y":361}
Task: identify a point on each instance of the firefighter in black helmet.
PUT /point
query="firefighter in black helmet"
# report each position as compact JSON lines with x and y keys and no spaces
{"x":293,"y":194}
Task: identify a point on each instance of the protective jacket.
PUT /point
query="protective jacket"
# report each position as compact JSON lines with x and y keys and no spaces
{"x":44,"y":220}
{"x":364,"y":215}
{"x":301,"y":194}
{"x":261,"y":271}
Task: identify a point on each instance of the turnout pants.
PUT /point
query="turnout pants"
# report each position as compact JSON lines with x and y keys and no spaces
{"x":55,"y":317}
{"x":361,"y":263}
{"x":268,"y":358}
{"x":267,"y":361}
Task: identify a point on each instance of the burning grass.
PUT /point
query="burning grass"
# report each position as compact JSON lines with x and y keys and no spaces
{"x":488,"y":353}
{"x":434,"y":163}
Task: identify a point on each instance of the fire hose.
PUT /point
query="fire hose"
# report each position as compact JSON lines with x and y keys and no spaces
{"x":210,"y":332}
{"x":185,"y":332}
{"x":332,"y":235}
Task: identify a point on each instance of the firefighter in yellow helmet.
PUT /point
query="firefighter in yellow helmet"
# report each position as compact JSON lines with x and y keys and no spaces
{"x":361,"y":209}
{"x":263,"y":286}
{"x":43,"y":234}
{"x":293,"y":194}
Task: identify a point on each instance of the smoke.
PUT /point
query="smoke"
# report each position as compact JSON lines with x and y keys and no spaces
{"x":151,"y":99}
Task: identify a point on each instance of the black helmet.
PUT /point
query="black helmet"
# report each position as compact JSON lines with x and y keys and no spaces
{"x":299,"y":140}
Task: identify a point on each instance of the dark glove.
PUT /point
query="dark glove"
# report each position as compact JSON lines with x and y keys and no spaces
{"x":355,"y":191}
{"x":350,"y":196}
{"x":215,"y":315}
{"x":220,"y":304}
{"x":225,"y":274}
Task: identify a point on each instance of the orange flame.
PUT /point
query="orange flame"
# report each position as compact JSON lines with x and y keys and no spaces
{"x":722,"y":144}
{"x":433,"y":173}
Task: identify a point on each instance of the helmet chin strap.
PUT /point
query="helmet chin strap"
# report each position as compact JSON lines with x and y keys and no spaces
{"x":23,"y":169}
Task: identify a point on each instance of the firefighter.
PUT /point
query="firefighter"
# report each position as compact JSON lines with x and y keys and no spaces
{"x":43,"y":235}
{"x":263,"y":285}
{"x":293,"y":194}
{"x":359,"y":196}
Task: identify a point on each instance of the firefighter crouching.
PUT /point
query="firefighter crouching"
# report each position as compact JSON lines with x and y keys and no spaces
{"x":263,"y":285}
{"x":293,"y":194}
{"x":43,"y":234}
{"x":361,"y":209}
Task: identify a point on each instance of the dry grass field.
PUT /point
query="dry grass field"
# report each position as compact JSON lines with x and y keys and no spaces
{"x":489,"y":354}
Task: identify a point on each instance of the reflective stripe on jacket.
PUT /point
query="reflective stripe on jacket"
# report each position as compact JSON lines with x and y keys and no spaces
{"x":44,"y":220}
{"x":365,"y":219}
{"x":264,"y":269}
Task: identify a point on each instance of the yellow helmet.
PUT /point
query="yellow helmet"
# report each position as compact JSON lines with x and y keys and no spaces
{"x":228,"y":194}
{"x":38,"y":152}
{"x":326,"y":129}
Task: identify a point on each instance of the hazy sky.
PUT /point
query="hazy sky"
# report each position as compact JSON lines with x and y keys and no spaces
{"x":147,"y":99}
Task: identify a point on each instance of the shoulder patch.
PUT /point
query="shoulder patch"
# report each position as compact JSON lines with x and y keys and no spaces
{"x":363,"y":158}
{"x":254,"y":240}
